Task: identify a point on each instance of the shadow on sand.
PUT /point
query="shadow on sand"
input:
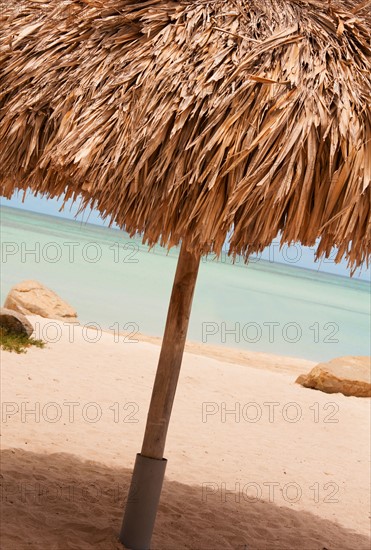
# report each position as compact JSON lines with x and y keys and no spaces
{"x":58,"y":502}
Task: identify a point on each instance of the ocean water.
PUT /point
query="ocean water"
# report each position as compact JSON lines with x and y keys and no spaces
{"x":116,"y":282}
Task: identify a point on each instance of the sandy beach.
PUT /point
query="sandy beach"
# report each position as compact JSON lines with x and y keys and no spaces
{"x":185,"y":170}
{"x":254,"y":460}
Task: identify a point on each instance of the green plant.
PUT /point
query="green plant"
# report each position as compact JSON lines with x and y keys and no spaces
{"x":11,"y":341}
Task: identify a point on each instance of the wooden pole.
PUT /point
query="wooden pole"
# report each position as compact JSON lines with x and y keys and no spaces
{"x":171,"y":355}
{"x":149,"y":470}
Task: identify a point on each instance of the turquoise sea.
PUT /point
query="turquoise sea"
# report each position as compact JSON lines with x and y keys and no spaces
{"x":114,"y":281}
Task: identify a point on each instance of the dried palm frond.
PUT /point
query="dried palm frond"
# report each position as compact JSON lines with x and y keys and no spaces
{"x":186,"y":120}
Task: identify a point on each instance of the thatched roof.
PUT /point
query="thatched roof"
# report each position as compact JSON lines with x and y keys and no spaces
{"x":184,"y":120}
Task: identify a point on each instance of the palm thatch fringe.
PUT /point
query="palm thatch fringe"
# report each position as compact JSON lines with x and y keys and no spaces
{"x":185,"y":120}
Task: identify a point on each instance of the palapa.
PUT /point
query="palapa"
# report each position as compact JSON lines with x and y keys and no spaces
{"x":187,"y":120}
{"x":192,"y":122}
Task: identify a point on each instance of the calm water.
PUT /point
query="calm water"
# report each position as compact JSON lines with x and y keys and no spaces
{"x":113,"y":280}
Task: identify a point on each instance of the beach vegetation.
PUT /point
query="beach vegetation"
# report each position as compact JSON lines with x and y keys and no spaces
{"x":11,"y":341}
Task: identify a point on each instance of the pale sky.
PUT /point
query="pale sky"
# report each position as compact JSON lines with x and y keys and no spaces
{"x":296,"y":255}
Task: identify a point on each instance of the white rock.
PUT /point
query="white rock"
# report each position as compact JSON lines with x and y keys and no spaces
{"x":350,"y":375}
{"x":33,"y":298}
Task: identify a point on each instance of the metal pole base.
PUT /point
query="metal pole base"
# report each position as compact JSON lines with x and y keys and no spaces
{"x":143,"y":499}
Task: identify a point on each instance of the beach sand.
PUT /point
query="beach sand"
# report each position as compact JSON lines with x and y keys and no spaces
{"x":255,"y":461}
